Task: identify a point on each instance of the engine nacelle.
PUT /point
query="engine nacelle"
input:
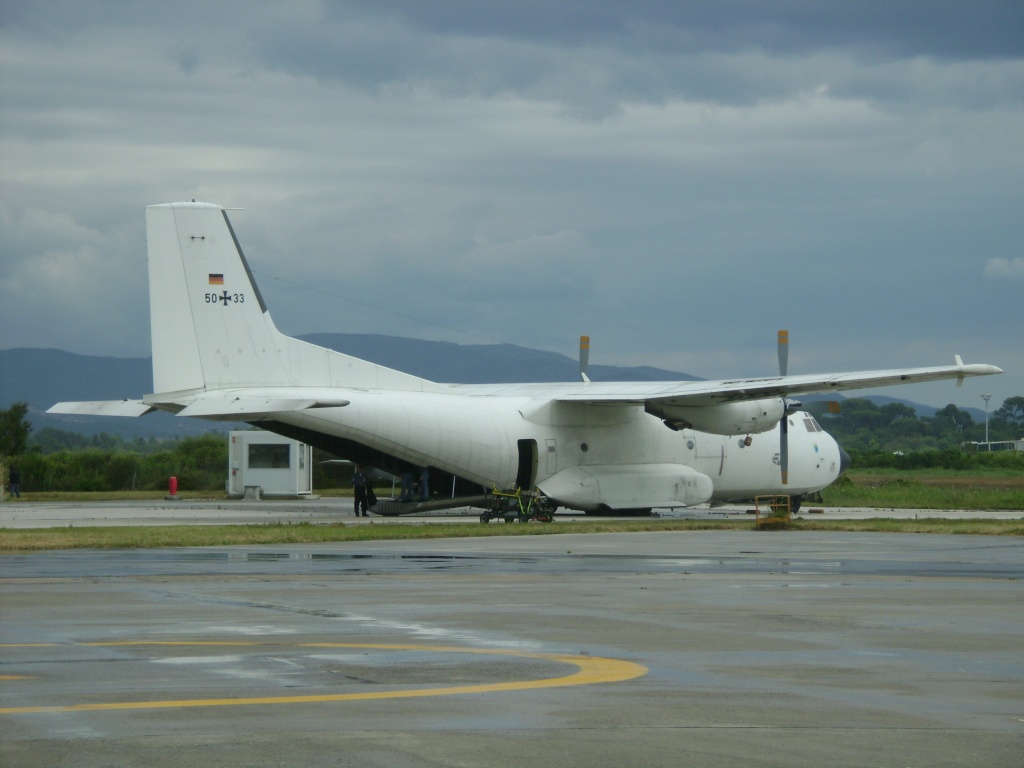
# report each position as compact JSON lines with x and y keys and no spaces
{"x":737,"y":418}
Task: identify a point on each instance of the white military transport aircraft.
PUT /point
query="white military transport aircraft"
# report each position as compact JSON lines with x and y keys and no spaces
{"x":592,"y":446}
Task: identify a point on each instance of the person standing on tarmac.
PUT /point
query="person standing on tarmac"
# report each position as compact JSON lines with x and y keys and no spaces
{"x":360,"y":486}
{"x":425,"y":483}
{"x":15,"y":480}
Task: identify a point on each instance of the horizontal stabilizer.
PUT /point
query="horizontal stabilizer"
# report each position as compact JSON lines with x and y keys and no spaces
{"x":103,"y":408}
{"x":243,"y":406}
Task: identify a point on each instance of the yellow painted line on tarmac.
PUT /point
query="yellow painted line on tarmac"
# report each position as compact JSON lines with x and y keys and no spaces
{"x":590,"y":670}
{"x":29,"y":645}
{"x":15,"y":677}
{"x":193,"y":643}
{"x":129,"y":642}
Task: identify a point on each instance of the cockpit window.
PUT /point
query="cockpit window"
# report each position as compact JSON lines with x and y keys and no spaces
{"x":811,"y":424}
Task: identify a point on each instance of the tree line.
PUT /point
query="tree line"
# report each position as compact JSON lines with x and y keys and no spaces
{"x":863,"y":427}
{"x":57,"y":460}
{"x":199,"y":463}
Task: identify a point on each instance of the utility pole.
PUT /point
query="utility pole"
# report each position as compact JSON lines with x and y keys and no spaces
{"x":988,"y":445}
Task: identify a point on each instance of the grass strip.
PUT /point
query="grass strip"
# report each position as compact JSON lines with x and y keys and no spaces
{"x":148,"y":537}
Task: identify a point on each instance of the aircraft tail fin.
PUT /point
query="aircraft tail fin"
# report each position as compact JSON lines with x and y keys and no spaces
{"x":210,"y":326}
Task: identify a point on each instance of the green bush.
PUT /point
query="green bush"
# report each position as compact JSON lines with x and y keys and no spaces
{"x":199,"y":463}
{"x":949,"y":458}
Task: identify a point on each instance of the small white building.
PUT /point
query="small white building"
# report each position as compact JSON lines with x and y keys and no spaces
{"x":264,"y":464}
{"x":1002,"y":445}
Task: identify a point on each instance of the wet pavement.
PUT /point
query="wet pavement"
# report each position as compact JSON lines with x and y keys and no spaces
{"x":707,"y":648}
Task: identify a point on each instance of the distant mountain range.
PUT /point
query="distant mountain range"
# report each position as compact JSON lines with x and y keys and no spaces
{"x":42,"y":377}
{"x":443,"y":361}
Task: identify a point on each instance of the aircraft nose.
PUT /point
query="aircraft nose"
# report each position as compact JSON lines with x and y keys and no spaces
{"x":844,"y":460}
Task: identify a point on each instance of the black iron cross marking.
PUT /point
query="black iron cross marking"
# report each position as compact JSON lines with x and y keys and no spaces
{"x":225,"y":297}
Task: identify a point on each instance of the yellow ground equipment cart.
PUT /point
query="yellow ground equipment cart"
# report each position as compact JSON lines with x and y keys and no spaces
{"x":772,"y":511}
{"x":517,"y":505}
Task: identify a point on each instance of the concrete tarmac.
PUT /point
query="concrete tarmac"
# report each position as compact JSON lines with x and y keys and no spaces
{"x":29,"y":514}
{"x":699,"y":648}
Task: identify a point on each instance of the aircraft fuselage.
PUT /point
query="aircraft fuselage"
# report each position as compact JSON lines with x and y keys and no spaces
{"x":480,"y":438}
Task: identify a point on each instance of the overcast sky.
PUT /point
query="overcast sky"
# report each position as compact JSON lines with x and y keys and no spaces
{"x":676,"y":179}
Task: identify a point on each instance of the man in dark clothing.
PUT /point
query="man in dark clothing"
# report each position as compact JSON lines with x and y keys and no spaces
{"x":425,"y":483}
{"x":360,"y":485}
{"x":15,"y":483}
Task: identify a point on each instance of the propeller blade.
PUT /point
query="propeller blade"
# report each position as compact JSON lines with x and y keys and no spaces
{"x":784,"y":449}
{"x":784,"y":424}
{"x":584,"y":357}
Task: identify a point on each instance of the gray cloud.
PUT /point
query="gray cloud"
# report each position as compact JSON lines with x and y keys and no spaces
{"x":1005,"y":269}
{"x":916,"y":28}
{"x":678,"y":180}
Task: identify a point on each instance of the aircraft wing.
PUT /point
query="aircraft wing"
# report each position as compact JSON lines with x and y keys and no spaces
{"x":708,"y":393}
{"x":104,"y":408}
